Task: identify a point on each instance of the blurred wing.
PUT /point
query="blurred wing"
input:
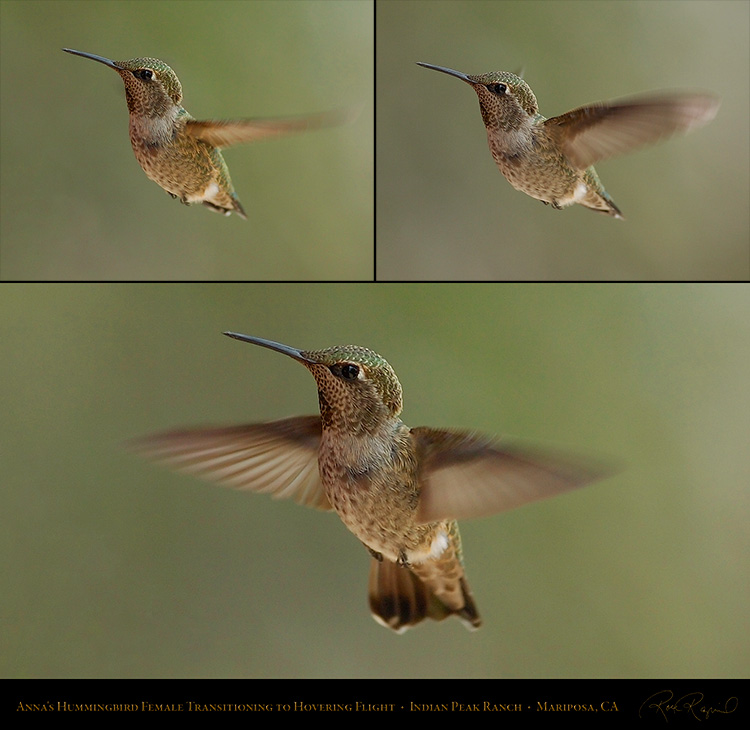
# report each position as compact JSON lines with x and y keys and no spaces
{"x":464,"y":475}
{"x":237,"y":131}
{"x":592,"y":133}
{"x":278,"y":458}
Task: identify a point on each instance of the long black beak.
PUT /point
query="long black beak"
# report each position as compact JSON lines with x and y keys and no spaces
{"x":448,"y":71}
{"x":298,"y":355}
{"x":101,"y":59}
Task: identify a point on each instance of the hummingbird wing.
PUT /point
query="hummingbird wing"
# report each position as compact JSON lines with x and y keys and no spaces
{"x":278,"y":458}
{"x":223,"y":133}
{"x":592,"y":133}
{"x":466,"y":475}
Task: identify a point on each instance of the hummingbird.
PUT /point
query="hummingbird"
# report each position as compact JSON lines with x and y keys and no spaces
{"x":399,"y":490}
{"x":552,"y":159}
{"x":182,"y":154}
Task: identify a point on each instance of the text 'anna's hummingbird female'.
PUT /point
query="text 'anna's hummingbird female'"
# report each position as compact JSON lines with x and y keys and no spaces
{"x":400,"y":490}
{"x":182,"y":154}
{"x":551,"y":159}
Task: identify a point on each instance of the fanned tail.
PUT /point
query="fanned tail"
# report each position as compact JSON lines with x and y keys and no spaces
{"x":399,"y":599}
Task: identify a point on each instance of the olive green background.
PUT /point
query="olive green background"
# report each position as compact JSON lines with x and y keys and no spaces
{"x":113,"y":567}
{"x":75,"y":203}
{"x":444,"y":211}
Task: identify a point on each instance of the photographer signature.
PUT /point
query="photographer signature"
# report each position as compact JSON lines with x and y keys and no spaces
{"x":664,"y":703}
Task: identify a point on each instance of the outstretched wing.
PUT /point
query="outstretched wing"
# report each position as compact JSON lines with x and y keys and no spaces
{"x":592,"y":133}
{"x":465,"y":475}
{"x":278,"y":458}
{"x":223,"y":133}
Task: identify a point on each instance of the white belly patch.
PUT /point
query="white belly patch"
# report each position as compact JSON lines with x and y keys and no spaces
{"x":436,"y":548}
{"x":209,"y":193}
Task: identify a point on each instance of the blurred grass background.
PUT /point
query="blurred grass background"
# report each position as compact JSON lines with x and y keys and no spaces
{"x":75,"y":204}
{"x":117,"y":568}
{"x":444,"y":211}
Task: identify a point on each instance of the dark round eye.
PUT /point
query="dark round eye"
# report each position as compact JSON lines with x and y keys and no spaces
{"x":498,"y":88}
{"x":144,"y":73}
{"x":345,"y":370}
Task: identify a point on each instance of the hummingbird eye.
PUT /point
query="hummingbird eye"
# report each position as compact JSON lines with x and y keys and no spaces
{"x":499,"y":89}
{"x":144,"y":73}
{"x":345,"y":370}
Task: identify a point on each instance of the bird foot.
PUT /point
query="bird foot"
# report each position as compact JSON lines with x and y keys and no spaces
{"x":403,"y":561}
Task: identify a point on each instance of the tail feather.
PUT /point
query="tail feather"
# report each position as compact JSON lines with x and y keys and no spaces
{"x":399,"y":599}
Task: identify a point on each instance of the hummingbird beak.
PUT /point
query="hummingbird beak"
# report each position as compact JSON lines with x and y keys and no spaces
{"x":448,"y":71}
{"x":278,"y":347}
{"x":101,"y":59}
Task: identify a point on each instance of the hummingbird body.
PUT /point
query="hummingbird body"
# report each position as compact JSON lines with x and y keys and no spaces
{"x":186,"y":167}
{"x":374,"y":488}
{"x":399,"y":490}
{"x":180,"y":153}
{"x":552,"y":159}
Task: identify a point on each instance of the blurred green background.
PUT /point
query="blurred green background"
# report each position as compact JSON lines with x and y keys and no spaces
{"x":444,"y":211}
{"x":117,"y":568}
{"x":76,"y":204}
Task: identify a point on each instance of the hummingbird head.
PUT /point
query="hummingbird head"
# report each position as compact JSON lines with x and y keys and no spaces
{"x":505,"y":99}
{"x":152,"y":89}
{"x":357,"y":389}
